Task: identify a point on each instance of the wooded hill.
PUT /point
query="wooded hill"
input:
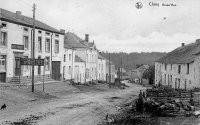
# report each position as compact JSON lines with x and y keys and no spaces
{"x":130,"y":60}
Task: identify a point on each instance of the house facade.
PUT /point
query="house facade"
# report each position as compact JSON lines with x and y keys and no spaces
{"x":16,"y":42}
{"x":112,"y":71}
{"x":101,"y":67}
{"x":180,"y":68}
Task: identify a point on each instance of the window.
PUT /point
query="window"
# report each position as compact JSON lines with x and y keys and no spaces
{"x":87,"y":73}
{"x":39,"y":44}
{"x":47,"y":63}
{"x":171,"y":66}
{"x":47,"y":45}
{"x":70,"y":57}
{"x":56,"y":46}
{"x":47,"y":33}
{"x":3,"y":41}
{"x":69,"y":70}
{"x":190,"y":82}
{"x":39,"y":31}
{"x":4,"y":25}
{"x":64,"y":58}
{"x":179,"y":81}
{"x":179,"y":69}
{"x":165,"y":66}
{"x":26,"y":43}
{"x":57,"y":35}
{"x":25,"y":29}
{"x":165,"y":79}
{"x":2,"y":63}
{"x":188,"y":68}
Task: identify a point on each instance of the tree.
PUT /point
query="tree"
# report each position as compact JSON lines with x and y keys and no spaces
{"x":150,"y":74}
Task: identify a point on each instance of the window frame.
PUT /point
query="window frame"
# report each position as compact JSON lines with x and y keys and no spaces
{"x":49,"y":45}
{"x":39,"y":44}
{"x":24,"y":42}
{"x":6,"y":39}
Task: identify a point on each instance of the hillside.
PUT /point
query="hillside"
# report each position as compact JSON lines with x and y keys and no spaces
{"x":132,"y":59}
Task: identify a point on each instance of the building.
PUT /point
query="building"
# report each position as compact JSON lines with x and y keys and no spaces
{"x":137,"y":74}
{"x":101,"y":68}
{"x":180,"y":68}
{"x":86,"y":51}
{"x":112,"y":71}
{"x":16,"y":42}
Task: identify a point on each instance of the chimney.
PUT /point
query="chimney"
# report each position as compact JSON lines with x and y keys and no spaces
{"x":62,"y":31}
{"x":183,"y":44}
{"x":18,"y":13}
{"x":87,"y":37}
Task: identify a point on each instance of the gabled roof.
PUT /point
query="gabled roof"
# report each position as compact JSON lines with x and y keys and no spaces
{"x":78,"y":59}
{"x":12,"y":17}
{"x":182,"y":55}
{"x":87,"y":44}
{"x":72,"y":41}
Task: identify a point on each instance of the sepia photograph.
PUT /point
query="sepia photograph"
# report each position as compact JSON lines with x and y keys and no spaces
{"x":99,"y":62}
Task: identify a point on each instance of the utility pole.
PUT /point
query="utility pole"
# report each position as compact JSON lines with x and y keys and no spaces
{"x":33,"y":48}
{"x":121,"y":69}
{"x":109,"y":71}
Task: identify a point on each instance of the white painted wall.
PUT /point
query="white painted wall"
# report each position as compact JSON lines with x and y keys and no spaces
{"x":15,"y":35}
{"x":189,"y":79}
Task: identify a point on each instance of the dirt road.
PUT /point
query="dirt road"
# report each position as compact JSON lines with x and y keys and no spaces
{"x":83,"y":108}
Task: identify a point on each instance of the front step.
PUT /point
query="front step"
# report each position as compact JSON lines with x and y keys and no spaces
{"x":27,"y":80}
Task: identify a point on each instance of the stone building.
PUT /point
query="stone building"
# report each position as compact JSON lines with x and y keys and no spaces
{"x":180,"y":68}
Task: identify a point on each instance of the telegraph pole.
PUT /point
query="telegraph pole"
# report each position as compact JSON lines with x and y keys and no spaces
{"x":109,"y":71}
{"x":33,"y":48}
{"x":121,"y":69}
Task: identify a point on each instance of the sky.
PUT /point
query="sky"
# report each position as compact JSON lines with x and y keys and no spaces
{"x":117,"y":25}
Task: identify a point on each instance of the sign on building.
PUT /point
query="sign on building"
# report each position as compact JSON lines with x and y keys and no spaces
{"x":17,"y":46}
{"x":30,"y":61}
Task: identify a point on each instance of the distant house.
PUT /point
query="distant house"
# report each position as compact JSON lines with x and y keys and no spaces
{"x":180,"y":68}
{"x":79,"y":70}
{"x":112,"y":71}
{"x":101,"y":68}
{"x":84,"y":50}
{"x":137,"y":74}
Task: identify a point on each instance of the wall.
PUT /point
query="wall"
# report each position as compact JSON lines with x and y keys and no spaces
{"x":15,"y":35}
{"x":164,"y":76}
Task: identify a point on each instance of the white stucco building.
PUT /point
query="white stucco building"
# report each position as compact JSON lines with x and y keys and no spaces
{"x":180,"y":68}
{"x":101,"y":67}
{"x":16,"y":42}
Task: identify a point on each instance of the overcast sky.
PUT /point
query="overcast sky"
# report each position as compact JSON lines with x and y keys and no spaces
{"x":117,"y":25}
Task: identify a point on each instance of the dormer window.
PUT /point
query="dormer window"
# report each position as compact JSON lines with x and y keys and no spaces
{"x":47,"y":33}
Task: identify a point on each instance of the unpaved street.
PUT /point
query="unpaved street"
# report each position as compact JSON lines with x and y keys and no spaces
{"x":88,"y":107}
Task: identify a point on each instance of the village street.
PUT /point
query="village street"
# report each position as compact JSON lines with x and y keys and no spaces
{"x":85,"y":107}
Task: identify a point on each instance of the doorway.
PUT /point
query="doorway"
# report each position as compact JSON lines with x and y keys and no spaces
{"x":39,"y":67}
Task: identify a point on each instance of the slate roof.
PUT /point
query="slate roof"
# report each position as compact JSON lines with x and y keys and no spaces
{"x":12,"y":17}
{"x":72,"y":41}
{"x":78,"y":59}
{"x":182,"y":55}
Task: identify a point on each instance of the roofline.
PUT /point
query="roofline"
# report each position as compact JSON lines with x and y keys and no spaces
{"x":28,"y":25}
{"x":172,"y":63}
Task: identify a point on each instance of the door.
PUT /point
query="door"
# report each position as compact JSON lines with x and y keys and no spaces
{"x":64,"y":73}
{"x":17,"y":66}
{"x":39,"y":67}
{"x":76,"y":71}
{"x":56,"y":70}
